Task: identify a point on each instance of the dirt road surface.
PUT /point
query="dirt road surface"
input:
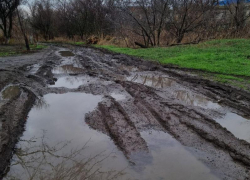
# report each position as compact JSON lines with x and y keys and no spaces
{"x":161,"y":123}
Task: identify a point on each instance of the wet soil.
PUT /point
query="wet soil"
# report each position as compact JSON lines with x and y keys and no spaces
{"x":162,"y":123}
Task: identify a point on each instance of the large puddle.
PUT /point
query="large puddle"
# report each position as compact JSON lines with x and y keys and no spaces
{"x":57,"y":139}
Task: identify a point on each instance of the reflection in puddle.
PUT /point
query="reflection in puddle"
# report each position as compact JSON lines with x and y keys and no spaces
{"x":193,"y":99}
{"x":66,"y":53}
{"x":67,"y":69}
{"x":170,"y":160}
{"x":66,"y":135}
{"x":237,"y":125}
{"x":156,"y":81}
{"x":10,"y":92}
{"x":42,"y":161}
{"x":73,"y":81}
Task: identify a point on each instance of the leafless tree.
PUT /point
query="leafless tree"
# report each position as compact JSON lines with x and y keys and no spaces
{"x":65,"y":18}
{"x":7,"y":10}
{"x":42,"y":18}
{"x":148,"y":18}
{"x":239,"y":12}
{"x":188,"y":15}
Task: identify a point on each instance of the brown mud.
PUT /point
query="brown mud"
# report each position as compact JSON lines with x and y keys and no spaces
{"x":138,"y":97}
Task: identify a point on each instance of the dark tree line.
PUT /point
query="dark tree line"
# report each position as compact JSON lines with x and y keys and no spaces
{"x":81,"y":18}
{"x":146,"y":22}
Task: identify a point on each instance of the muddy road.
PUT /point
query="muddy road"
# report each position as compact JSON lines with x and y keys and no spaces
{"x":82,"y":113}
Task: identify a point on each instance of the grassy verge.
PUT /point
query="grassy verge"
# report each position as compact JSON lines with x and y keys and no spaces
{"x":228,"y":58}
{"x":11,"y":50}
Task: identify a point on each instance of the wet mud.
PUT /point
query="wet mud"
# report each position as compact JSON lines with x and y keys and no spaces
{"x":160,"y":122}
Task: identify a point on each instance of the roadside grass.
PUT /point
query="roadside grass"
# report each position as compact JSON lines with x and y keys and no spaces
{"x":239,"y":82}
{"x":226,"y":61}
{"x":228,"y":56}
{"x":79,"y":43}
{"x":10,"y":50}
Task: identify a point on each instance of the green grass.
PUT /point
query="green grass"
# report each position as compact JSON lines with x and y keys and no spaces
{"x":228,"y":56}
{"x":3,"y":54}
{"x":79,"y":43}
{"x":37,"y":47}
{"x":10,"y":50}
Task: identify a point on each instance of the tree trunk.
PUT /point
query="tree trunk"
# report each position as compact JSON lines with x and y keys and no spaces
{"x":27,"y":43}
{"x":7,"y":40}
{"x":179,"y":38}
{"x":23,"y":32}
{"x":141,"y":45}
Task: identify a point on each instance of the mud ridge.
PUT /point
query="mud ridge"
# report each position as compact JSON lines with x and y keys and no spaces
{"x":13,"y":125}
{"x":119,"y":127}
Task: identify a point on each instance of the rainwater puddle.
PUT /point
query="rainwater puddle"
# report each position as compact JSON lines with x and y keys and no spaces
{"x":156,"y":81}
{"x":66,"y":53}
{"x":73,"y":81}
{"x":67,"y":69}
{"x":9,"y":92}
{"x":172,"y":87}
{"x":57,"y":140}
{"x":194,"y":99}
{"x":236,"y":124}
{"x":170,"y":160}
{"x":68,"y":59}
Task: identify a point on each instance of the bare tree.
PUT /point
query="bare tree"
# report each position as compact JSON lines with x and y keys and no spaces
{"x":148,"y":17}
{"x":65,"y":18}
{"x":188,"y":15}
{"x":238,"y":11}
{"x":7,"y":10}
{"x":42,"y":15}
